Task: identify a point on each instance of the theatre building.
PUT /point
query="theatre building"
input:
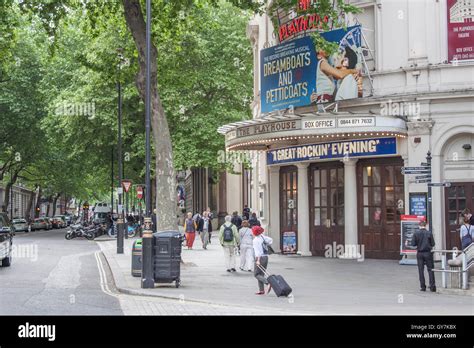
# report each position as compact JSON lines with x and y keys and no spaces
{"x":327,"y":166}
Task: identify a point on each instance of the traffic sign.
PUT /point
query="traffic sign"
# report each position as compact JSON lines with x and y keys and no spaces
{"x":426,"y":176}
{"x":139,"y":192}
{"x":423,"y":181}
{"x":416,"y":168}
{"x":446,"y":184}
{"x":424,"y":171}
{"x":126,"y":185}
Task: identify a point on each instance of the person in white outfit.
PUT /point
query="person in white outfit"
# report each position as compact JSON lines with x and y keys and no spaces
{"x":246,"y":247}
{"x":260,"y":248}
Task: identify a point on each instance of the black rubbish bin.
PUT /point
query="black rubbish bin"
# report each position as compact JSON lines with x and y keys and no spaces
{"x":167,"y":257}
{"x":137,"y":258}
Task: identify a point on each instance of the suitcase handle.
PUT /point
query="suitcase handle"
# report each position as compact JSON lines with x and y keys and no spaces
{"x":263,"y":270}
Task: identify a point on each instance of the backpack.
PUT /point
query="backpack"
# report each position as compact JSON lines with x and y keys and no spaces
{"x":228,"y":233}
{"x":466,"y":240}
{"x":267,"y":249}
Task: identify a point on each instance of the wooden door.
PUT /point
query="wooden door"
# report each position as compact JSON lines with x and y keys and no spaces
{"x":326,"y":202}
{"x":288,"y":201}
{"x":457,"y":198}
{"x":381,"y":201}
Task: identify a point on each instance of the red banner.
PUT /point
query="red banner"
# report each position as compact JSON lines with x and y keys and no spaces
{"x":460,"y":30}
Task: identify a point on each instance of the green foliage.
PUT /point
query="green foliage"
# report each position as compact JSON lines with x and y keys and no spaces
{"x":205,"y":81}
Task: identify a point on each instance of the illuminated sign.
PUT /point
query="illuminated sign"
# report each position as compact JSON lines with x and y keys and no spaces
{"x":337,"y":149}
{"x":301,"y":24}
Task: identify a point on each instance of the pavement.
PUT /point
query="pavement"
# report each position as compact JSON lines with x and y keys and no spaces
{"x":321,"y":286}
{"x":50,"y":275}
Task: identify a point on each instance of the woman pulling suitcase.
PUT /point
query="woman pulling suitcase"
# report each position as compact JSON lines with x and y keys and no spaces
{"x":260,"y":249}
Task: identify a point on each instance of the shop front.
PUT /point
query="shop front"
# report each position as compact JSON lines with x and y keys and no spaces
{"x":332,"y":187}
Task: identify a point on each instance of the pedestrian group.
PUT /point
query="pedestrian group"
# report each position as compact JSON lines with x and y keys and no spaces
{"x":238,"y":235}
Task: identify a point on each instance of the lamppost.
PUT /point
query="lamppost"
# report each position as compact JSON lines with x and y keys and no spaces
{"x":11,"y":194}
{"x":120,"y":206}
{"x":112,"y":180}
{"x":147,"y":241}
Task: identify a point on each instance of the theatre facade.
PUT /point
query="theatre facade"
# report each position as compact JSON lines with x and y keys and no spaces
{"x":327,"y":146}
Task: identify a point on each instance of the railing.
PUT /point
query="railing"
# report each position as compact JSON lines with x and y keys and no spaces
{"x":467,"y":262}
{"x":467,"y":257}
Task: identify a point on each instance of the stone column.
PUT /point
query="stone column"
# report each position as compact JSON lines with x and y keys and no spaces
{"x":274,"y":206}
{"x":303,"y":210}
{"x":350,"y":208}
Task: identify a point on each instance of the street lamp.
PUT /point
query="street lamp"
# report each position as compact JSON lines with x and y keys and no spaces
{"x":147,"y":241}
{"x":120,"y":226}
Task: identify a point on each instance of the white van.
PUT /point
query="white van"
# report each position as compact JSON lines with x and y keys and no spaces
{"x":101,"y":210}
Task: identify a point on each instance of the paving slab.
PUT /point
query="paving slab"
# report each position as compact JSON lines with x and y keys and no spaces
{"x":320,"y":285}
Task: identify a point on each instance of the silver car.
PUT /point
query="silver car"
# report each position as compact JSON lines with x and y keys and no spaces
{"x":6,"y":241}
{"x":20,"y":225}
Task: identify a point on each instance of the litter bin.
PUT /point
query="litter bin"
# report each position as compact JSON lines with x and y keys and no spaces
{"x":167,"y":257}
{"x":137,"y":258}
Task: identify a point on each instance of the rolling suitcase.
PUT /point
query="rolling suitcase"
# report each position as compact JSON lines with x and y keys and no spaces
{"x":278,"y":283}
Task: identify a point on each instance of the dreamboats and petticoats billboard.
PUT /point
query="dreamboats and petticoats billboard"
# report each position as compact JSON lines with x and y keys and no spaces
{"x":297,"y":74}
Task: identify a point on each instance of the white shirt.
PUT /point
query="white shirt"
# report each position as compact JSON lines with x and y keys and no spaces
{"x":324,"y":83}
{"x":257,"y":244}
{"x":246,"y":237}
{"x":347,"y":88}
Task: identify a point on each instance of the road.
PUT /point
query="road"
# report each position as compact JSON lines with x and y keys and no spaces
{"x":53,"y":276}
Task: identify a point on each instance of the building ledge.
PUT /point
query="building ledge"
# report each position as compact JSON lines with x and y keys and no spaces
{"x":283,"y":130}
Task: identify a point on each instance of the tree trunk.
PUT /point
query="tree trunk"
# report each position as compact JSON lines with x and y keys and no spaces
{"x":166,"y":187}
{"x":6,"y":199}
{"x":12,"y":181}
{"x":38,"y":203}
{"x":49,"y":205}
{"x":55,"y":201}
{"x":30,"y":204}
{"x":66,"y":204}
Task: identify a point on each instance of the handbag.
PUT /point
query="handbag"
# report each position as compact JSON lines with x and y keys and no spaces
{"x":267,"y":248}
{"x":466,"y":240}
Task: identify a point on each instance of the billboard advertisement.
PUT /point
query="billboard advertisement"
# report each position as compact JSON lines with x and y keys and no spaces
{"x":460,"y":30}
{"x":297,"y":73}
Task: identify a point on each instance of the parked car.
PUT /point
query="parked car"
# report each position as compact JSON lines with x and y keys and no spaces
{"x":6,"y":240}
{"x":39,"y":224}
{"x":48,"y":223}
{"x":20,"y":225}
{"x":60,"y":221}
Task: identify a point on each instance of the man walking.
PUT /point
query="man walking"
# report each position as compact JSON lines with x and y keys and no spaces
{"x":236,"y":220}
{"x":423,"y":241}
{"x":204,"y":228}
{"x":229,"y":239}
